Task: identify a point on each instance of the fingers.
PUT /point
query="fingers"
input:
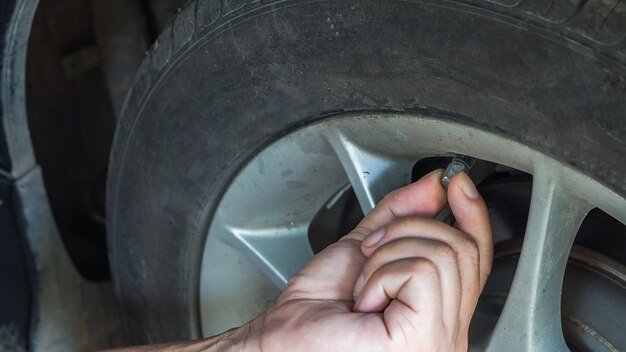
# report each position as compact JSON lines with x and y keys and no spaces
{"x":465,"y":249}
{"x":473,"y":227}
{"x":424,"y":198}
{"x":409,"y":291}
{"x":439,"y":253}
{"x":470,"y":240}
{"x":440,"y":240}
{"x":472,"y":217}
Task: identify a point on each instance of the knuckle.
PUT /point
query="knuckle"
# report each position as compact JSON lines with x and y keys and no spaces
{"x":376,"y":257}
{"x":380,"y":256}
{"x":390,"y":197}
{"x":445,"y":251}
{"x":407,"y":222}
{"x":369,"y":268}
{"x":469,"y":248}
{"x":471,"y":254}
{"x":423,"y":267}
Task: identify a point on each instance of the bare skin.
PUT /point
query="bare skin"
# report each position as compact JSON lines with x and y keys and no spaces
{"x":400,"y":281}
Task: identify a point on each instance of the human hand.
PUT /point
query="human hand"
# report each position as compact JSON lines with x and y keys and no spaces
{"x":400,"y":281}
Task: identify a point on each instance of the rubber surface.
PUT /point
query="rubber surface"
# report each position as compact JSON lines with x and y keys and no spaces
{"x":16,"y":154}
{"x":226,"y":78}
{"x":16,"y":160}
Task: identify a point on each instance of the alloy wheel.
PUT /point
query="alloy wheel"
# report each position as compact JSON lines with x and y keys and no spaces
{"x":259,"y":235}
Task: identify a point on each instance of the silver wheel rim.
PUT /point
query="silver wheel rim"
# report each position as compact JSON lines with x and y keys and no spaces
{"x":258,"y":236}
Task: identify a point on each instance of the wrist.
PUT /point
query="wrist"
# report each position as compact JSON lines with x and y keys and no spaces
{"x":244,"y":338}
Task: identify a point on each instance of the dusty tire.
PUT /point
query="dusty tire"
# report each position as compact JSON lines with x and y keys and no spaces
{"x":228,"y":77}
{"x":19,"y":278}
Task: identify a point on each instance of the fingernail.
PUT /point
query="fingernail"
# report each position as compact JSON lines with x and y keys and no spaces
{"x":374,"y":238}
{"x":432,"y":173}
{"x":468,"y":188}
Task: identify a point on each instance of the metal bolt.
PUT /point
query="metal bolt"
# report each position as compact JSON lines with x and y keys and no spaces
{"x":460,"y":163}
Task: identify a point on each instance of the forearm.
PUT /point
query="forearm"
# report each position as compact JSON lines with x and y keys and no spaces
{"x":244,"y":338}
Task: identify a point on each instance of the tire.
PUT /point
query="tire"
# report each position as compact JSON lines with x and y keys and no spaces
{"x":18,"y":277}
{"x":226,"y":78}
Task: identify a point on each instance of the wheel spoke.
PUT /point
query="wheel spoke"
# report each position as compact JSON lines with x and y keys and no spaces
{"x":531,"y":318}
{"x":372,"y":176}
{"x":279,"y":252}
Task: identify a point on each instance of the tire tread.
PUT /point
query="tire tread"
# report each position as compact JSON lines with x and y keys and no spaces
{"x":599,"y":24}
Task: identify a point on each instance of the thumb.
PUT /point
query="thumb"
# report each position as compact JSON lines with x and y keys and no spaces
{"x":472,"y":217}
